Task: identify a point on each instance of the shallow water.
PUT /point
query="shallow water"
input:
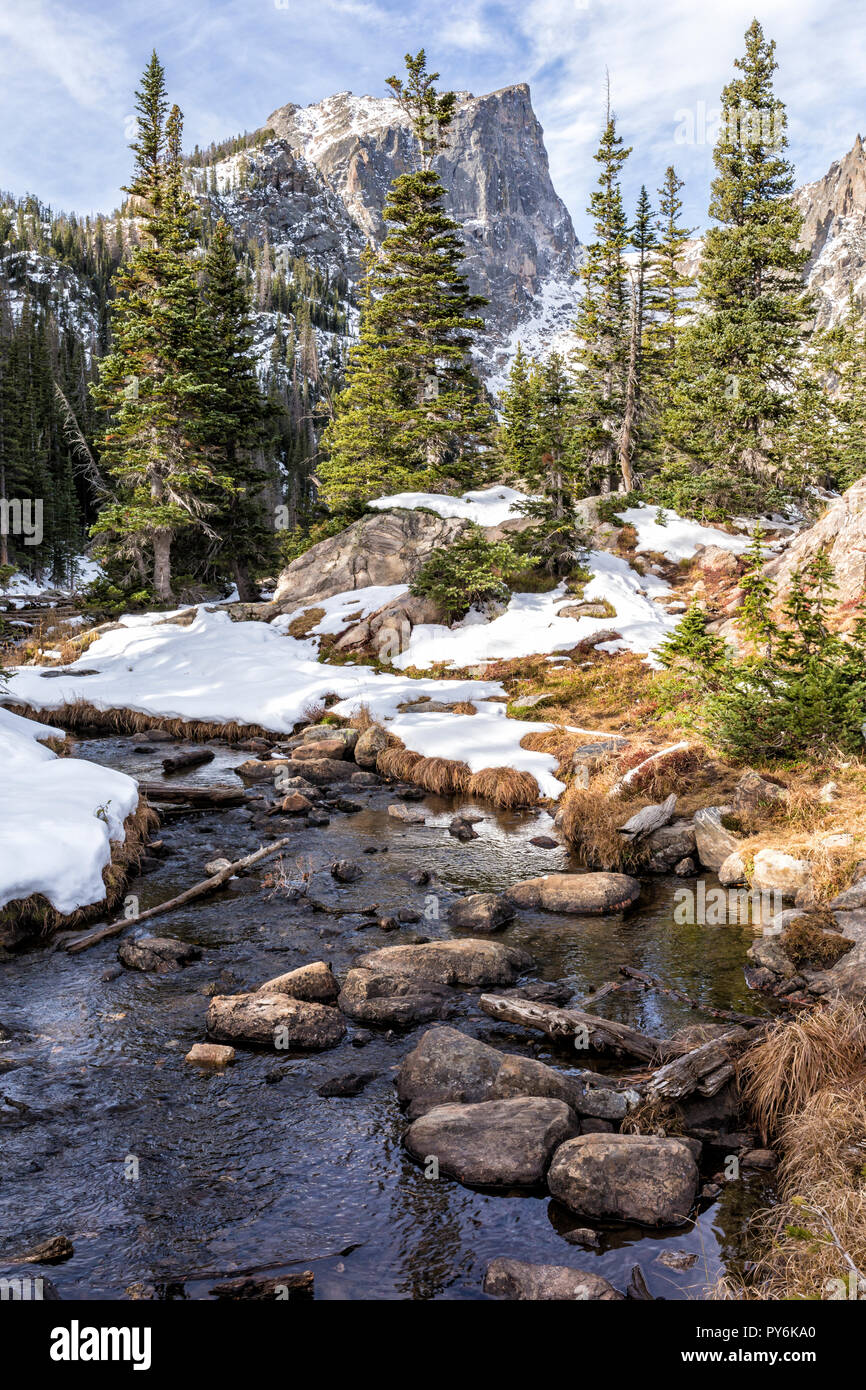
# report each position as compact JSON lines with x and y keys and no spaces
{"x":250,"y":1168}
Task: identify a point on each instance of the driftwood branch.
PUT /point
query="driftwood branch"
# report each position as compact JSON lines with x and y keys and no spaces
{"x":207,"y":885}
{"x":705,"y":1069}
{"x":214,"y":796}
{"x":604,"y":1035}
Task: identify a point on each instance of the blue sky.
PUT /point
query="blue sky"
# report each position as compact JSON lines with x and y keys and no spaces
{"x":68,"y":71}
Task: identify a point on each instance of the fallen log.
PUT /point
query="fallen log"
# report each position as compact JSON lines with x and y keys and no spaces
{"x":727,"y":1015}
{"x":602,"y":1034}
{"x":195,"y":757}
{"x":215,"y":796}
{"x":198,"y":890}
{"x":705,"y":1069}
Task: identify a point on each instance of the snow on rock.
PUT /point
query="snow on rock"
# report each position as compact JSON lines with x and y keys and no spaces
{"x":488,"y":507}
{"x":676,"y":538}
{"x":344,"y":609}
{"x":533,"y":625}
{"x":58,"y":817}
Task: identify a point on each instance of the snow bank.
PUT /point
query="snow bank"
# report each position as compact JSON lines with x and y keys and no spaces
{"x":58,"y":817}
{"x":677,"y":538}
{"x":489,"y":507}
{"x":532,"y":623}
{"x":254,"y":673}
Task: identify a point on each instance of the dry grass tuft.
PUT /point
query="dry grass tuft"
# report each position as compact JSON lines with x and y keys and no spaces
{"x":443,"y":776}
{"x":822,"y":1047}
{"x":812,"y":941}
{"x":305,"y":622}
{"x":362,"y":719}
{"x":806,"y":1083}
{"x":80,"y":714}
{"x":505,"y":787}
{"x":590,"y":823}
{"x":673,"y":772}
{"x":465,"y":707}
{"x":397,"y":763}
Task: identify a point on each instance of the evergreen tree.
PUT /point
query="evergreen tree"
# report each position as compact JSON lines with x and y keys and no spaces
{"x":732,"y":398}
{"x":410,"y":374}
{"x":755,"y":617}
{"x":643,"y":239}
{"x":601,"y":326}
{"x":666,"y":300}
{"x":153,"y":384}
{"x":518,"y":435}
{"x":244,"y":521}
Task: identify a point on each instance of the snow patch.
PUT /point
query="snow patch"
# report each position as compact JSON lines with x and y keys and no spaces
{"x":58,"y":817}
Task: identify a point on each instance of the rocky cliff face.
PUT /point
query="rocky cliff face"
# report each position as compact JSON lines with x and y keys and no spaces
{"x":318,"y":190}
{"x":835,"y":231}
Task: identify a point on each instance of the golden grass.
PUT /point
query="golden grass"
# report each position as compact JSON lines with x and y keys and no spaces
{"x":504,"y":786}
{"x":559,"y":743}
{"x":672,"y":772}
{"x":443,"y":776}
{"x":35,"y":916}
{"x":397,"y":763}
{"x":590,"y":823}
{"x":812,"y":940}
{"x":80,"y":714}
{"x":806,"y":1086}
{"x":305,"y":622}
{"x":465,"y":707}
{"x":362,"y":719}
{"x":822,"y":1047}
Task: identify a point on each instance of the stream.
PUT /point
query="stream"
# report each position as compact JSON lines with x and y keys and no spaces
{"x":168,"y":1176}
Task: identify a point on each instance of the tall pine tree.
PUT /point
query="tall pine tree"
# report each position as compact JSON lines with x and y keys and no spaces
{"x":602,"y":323}
{"x":732,"y":398}
{"x":153,"y":384}
{"x":412,"y":407}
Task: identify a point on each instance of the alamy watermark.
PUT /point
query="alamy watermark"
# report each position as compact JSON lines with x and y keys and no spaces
{"x":738,"y":126}
{"x":721,"y":907}
{"x":22,"y":517}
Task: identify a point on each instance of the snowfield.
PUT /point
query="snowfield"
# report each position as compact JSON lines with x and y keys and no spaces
{"x":488,"y":507}
{"x":254,"y":673}
{"x":532,"y":623}
{"x":55,"y":840}
{"x":58,"y":817}
{"x":676,"y":538}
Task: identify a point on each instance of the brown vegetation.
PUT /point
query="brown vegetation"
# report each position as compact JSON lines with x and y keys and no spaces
{"x":505,"y":787}
{"x":806,"y":1086}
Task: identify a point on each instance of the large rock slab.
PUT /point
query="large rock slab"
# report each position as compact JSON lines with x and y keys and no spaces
{"x":274,"y":1020}
{"x":447,"y":1066}
{"x":841,"y":534}
{"x":161,"y":954}
{"x":314,"y":982}
{"x":774,"y":871}
{"x":626,"y":1177}
{"x":383,"y":549}
{"x":714,"y":843}
{"x":481,"y":912}
{"x":515,"y":1279}
{"x":582,"y":894}
{"x":393,"y":1000}
{"x":669,"y":844}
{"x":470,"y":961}
{"x":496,"y":1143}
